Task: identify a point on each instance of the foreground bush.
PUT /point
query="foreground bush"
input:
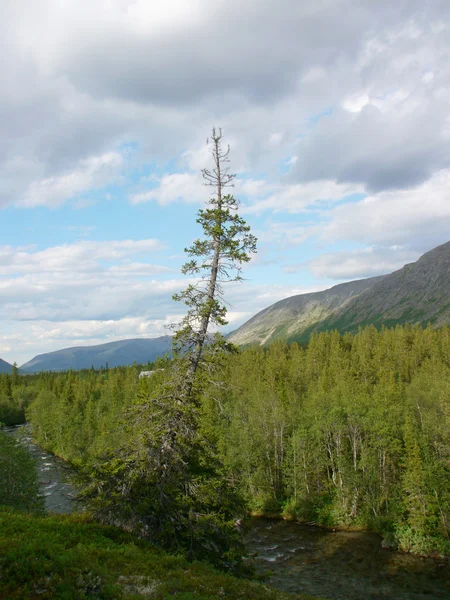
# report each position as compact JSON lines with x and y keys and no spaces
{"x":70,"y":557}
{"x":18,"y":477}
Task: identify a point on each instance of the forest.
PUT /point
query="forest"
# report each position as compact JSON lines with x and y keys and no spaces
{"x":347,"y":431}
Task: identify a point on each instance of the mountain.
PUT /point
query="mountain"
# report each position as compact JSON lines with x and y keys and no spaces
{"x":115,"y":354}
{"x":5,"y":367}
{"x":417,"y":293}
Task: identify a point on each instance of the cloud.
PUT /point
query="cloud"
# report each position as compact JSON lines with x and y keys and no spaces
{"x":85,"y":281}
{"x":95,"y":281}
{"x":91,"y":173}
{"x":81,"y":79}
{"x":163,"y":53}
{"x":357,"y":264}
{"x":83,"y":256}
{"x":92,"y":292}
{"x":187,"y":187}
{"x":286,"y":234}
{"x":297,"y":198}
{"x":393,"y":131}
{"x":418,"y":217}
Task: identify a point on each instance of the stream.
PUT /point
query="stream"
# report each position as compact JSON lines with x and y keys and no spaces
{"x":334,"y":565}
{"x":342,"y":565}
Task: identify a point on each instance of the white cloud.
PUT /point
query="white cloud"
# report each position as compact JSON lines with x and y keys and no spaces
{"x":276,"y":138}
{"x":297,"y":198}
{"x":358,"y":264}
{"x":287,"y":234}
{"x":90,"y":173}
{"x":79,"y":79}
{"x":83,"y":256}
{"x":176,"y":187}
{"x":419,"y":217}
{"x":356,"y":102}
{"x":42,"y":313}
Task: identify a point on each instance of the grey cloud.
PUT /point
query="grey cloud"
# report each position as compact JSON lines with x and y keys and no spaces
{"x":377,"y":149}
{"x":80,"y":81}
{"x":255,"y":50}
{"x":400,"y":134}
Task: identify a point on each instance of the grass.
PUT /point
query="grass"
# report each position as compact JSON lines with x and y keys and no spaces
{"x":71,"y":557}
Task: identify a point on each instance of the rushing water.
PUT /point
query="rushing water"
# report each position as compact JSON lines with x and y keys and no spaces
{"x":298,"y":558}
{"x":342,"y":565}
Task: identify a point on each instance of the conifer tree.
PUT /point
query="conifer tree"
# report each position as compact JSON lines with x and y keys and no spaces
{"x":168,"y":480}
{"x":214,"y":260}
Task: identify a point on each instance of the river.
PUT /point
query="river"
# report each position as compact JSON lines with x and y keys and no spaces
{"x":342,"y":565}
{"x":334,"y":565}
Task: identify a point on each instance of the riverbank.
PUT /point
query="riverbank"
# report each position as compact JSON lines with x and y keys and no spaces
{"x":300,"y":559}
{"x":74,"y":557}
{"x":66,"y":557}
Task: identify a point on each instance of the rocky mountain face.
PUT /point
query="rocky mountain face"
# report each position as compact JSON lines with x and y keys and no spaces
{"x":417,"y":293}
{"x":113,"y":354}
{"x":5,"y":367}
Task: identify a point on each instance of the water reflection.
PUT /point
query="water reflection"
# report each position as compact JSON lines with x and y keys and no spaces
{"x":341,"y":565}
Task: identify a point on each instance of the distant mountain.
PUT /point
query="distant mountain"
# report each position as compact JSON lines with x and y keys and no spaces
{"x":113,"y":354}
{"x":5,"y":367}
{"x":417,"y":293}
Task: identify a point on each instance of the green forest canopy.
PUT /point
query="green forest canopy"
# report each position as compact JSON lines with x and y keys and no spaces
{"x":351,"y":430}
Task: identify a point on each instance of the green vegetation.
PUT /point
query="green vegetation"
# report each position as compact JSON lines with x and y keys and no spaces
{"x":159,"y":474}
{"x":18,"y":477}
{"x":351,"y":430}
{"x":15,"y":395}
{"x":72,"y":558}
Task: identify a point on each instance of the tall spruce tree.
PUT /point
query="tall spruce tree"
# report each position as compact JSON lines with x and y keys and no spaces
{"x":214,"y":260}
{"x":168,"y":481}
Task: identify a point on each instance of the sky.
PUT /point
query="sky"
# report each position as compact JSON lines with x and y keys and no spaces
{"x":337,"y":113}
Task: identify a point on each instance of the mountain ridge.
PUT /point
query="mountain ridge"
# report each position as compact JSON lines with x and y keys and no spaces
{"x":5,"y":367}
{"x":115,"y":354}
{"x":419,"y":292}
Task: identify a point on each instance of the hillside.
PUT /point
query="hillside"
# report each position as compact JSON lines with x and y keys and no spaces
{"x":84,"y":559}
{"x":113,"y":354}
{"x":417,"y":293}
{"x":5,"y":367}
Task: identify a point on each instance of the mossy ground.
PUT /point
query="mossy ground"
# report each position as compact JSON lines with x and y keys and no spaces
{"x":71,"y":557}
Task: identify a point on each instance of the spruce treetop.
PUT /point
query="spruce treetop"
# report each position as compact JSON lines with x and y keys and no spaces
{"x":214,"y":260}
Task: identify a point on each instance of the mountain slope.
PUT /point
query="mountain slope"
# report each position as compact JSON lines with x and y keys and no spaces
{"x":417,"y":293}
{"x":290,"y":317}
{"x":5,"y":367}
{"x":121,"y":353}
